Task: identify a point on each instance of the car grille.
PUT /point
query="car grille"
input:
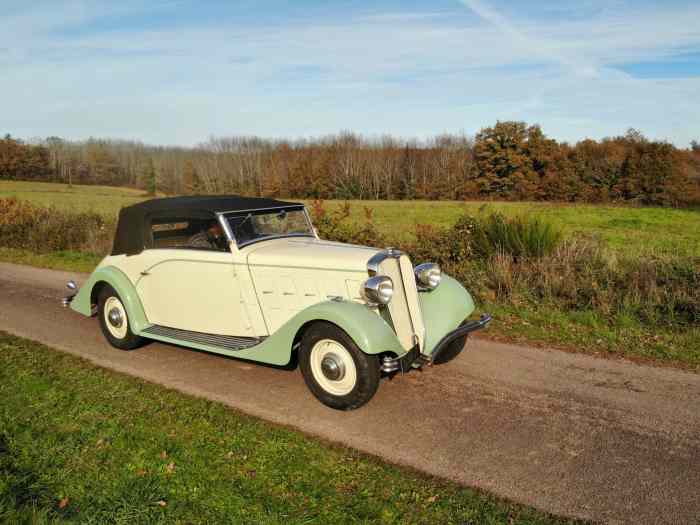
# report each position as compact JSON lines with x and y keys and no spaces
{"x":404,"y":307}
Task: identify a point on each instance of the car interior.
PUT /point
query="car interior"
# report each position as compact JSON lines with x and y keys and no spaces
{"x":176,"y":232}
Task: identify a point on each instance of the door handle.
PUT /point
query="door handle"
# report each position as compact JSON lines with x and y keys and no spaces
{"x":145,"y":273}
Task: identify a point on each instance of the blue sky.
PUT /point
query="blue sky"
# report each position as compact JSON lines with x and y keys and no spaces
{"x":179,"y":71}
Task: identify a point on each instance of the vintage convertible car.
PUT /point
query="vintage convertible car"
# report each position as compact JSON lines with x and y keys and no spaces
{"x":250,"y":278}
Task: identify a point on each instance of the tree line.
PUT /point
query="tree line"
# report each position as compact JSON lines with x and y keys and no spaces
{"x":507,"y":161}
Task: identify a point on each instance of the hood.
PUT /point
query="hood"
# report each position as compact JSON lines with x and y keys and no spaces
{"x":311,"y":253}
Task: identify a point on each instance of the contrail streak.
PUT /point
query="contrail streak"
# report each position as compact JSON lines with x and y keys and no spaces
{"x":538,"y":47}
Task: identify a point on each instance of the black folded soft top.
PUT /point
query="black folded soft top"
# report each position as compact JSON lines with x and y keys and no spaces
{"x":134,"y":226}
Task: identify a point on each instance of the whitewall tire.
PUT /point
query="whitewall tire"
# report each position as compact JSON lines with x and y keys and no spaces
{"x":333,"y":367}
{"x":336,"y":371}
{"x":114,"y":320}
{"x":115,"y":317}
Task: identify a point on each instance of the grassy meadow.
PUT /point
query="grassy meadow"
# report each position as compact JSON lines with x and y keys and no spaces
{"x":621,"y":228}
{"x":103,"y":199}
{"x":625,"y":229}
{"x":102,"y":447}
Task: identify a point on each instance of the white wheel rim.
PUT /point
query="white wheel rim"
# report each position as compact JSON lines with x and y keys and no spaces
{"x":114,"y":305}
{"x":333,"y":350}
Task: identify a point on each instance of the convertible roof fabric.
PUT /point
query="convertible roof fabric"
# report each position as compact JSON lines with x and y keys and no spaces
{"x":134,"y":226}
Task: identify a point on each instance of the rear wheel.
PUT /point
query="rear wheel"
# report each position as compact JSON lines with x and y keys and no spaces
{"x":114,"y":320}
{"x":336,"y":371}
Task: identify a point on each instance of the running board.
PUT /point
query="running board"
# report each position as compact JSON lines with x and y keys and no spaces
{"x":227,"y":342}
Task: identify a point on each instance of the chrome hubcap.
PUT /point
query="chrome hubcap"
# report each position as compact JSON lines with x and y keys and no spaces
{"x":332,"y":367}
{"x":115,"y":317}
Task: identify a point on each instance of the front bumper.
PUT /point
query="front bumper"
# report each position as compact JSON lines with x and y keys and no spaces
{"x":415,"y":359}
{"x":411,"y":359}
{"x":69,"y":298}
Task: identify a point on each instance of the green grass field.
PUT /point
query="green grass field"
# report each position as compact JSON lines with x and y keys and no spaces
{"x":625,"y":229}
{"x":622,"y":228}
{"x":81,"y":444}
{"x":104,"y":199}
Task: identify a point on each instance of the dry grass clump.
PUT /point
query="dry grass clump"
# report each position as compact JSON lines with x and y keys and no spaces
{"x":583,"y":275}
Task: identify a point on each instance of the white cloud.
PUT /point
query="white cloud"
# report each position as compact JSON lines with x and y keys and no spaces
{"x":408,"y":73}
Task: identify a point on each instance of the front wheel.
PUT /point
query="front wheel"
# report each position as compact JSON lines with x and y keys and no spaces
{"x":453,"y":350}
{"x":336,"y":371}
{"x":114,"y":320}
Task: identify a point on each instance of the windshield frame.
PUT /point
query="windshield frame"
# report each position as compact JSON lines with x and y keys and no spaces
{"x":225,"y":215}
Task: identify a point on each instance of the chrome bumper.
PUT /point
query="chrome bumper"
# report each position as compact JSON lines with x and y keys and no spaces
{"x":415,"y":359}
{"x":460,"y":332}
{"x":412,"y":359}
{"x":68,"y":298}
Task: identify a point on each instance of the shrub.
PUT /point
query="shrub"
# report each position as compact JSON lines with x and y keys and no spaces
{"x":523,"y":236}
{"x":336,"y":226}
{"x":660,"y":289}
{"x":42,"y":230}
{"x":525,"y":260}
{"x":583,"y":275}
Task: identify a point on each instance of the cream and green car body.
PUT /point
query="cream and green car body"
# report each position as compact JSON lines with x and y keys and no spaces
{"x":255,"y":301}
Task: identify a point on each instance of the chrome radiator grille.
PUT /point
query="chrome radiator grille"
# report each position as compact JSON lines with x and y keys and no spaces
{"x":404,"y":308}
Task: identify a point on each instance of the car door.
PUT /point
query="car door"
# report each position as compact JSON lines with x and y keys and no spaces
{"x":195,"y":290}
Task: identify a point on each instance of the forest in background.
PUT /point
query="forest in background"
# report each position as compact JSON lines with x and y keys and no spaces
{"x":508,"y":161}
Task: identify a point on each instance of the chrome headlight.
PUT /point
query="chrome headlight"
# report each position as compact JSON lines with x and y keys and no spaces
{"x":428,"y":275}
{"x":378,"y":289}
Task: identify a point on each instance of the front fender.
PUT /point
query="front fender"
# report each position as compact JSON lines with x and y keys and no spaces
{"x":444,"y":309}
{"x":369,"y":331}
{"x":82,"y":302}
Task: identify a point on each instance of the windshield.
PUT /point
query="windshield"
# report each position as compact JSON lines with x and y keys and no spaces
{"x":257,"y":225}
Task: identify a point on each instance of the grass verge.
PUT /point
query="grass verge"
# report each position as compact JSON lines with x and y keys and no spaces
{"x":69,"y":261}
{"x":589,"y":333}
{"x":83,"y":444}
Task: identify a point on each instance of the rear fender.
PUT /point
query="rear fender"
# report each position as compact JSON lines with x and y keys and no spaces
{"x":82,"y":302}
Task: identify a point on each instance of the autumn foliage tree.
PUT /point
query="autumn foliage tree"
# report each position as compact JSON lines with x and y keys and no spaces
{"x":510,"y":160}
{"x":19,"y":161}
{"x":504,"y":163}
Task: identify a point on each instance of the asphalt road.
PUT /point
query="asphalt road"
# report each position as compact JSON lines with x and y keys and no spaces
{"x":574,"y":435}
